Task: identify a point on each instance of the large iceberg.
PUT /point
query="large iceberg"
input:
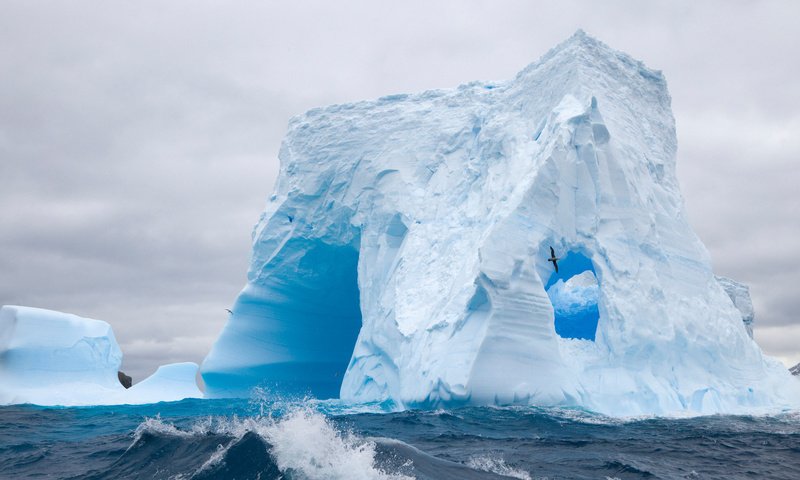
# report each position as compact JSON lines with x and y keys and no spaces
{"x":55,"y":358}
{"x":403,"y":255}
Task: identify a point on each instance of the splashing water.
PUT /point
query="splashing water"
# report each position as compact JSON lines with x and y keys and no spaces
{"x":305,"y":442}
{"x":302,"y":442}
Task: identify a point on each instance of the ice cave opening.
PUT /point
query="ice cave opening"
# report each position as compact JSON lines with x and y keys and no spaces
{"x":321,"y":319}
{"x":574,"y":291}
{"x":297,"y":326}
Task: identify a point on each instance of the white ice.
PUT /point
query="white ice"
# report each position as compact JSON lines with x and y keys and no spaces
{"x":403,"y":255}
{"x":740,"y":296}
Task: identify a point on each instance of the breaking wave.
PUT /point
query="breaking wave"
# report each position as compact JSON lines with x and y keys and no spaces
{"x":303,"y":444}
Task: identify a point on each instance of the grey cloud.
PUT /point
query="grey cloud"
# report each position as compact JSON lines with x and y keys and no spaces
{"x":139,"y":140}
{"x":781,"y":342}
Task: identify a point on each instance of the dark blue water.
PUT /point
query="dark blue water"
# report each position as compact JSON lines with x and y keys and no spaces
{"x":219,"y":439}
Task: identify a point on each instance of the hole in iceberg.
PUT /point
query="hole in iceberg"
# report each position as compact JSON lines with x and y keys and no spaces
{"x":574,"y":292}
{"x":323,"y":308}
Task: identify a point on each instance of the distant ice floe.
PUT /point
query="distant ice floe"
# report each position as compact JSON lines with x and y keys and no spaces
{"x":55,"y":358}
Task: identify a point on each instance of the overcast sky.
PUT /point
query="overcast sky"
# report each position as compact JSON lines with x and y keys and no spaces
{"x":139,"y":140}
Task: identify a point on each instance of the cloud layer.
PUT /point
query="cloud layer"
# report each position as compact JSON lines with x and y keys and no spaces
{"x":139,"y":140}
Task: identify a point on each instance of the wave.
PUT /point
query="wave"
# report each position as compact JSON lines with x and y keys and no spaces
{"x":308,"y":439}
{"x":302,"y":444}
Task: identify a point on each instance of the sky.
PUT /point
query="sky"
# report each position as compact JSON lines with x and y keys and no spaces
{"x":139,"y":139}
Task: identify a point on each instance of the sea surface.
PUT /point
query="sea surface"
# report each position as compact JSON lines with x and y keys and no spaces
{"x":307,"y":439}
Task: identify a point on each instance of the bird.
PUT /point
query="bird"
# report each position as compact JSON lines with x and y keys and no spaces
{"x":553,"y":259}
{"x":229,"y":311}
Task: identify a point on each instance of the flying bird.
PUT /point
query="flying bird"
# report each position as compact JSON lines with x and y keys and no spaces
{"x":229,"y":311}
{"x":553,"y":259}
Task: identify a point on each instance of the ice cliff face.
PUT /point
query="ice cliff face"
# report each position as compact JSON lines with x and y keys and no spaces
{"x":740,"y":296}
{"x":55,"y":358}
{"x":403,"y":255}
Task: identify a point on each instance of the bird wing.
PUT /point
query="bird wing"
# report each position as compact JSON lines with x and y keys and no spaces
{"x":555,"y":264}
{"x":552,"y":252}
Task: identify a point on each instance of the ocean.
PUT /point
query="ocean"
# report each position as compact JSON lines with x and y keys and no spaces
{"x":308,"y":439}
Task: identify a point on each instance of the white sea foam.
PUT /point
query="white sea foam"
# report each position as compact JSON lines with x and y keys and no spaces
{"x":303,"y":442}
{"x":488,"y":463}
{"x":157,"y":426}
{"x":308,"y":445}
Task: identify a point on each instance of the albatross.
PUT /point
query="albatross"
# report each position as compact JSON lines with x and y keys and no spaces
{"x":553,"y":258}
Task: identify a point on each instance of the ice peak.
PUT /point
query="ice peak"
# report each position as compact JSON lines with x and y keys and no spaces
{"x":600,"y":78}
{"x":581,"y":38}
{"x":586,"y":57}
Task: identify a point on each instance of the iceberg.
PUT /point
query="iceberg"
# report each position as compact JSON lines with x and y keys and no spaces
{"x":49,"y":357}
{"x":55,"y":358}
{"x":402,"y":257}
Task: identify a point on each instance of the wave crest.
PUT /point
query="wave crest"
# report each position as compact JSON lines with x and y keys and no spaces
{"x":302,"y":443}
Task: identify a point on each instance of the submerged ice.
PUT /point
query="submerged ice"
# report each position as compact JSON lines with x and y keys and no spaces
{"x":55,"y":358}
{"x":403,"y":255}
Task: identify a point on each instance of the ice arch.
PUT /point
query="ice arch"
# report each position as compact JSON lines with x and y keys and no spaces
{"x":446,"y":195}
